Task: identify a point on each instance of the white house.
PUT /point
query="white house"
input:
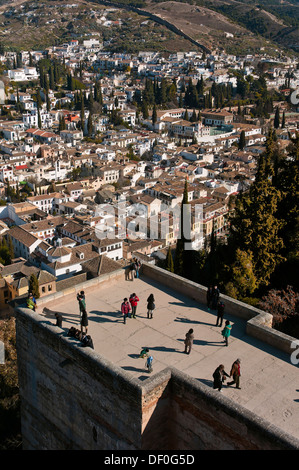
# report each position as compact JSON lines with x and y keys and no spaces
{"x":23,"y":74}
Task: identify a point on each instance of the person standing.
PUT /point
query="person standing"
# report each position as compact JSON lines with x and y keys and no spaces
{"x":132,"y":271}
{"x":149,"y":363}
{"x":226,"y":331}
{"x":82,"y":303}
{"x":209,"y":296}
{"x":220,"y":313}
{"x":219,"y":376}
{"x":189,"y":341}
{"x":136,"y":267}
{"x":235,"y":373}
{"x":58,"y":319}
{"x":134,"y":301}
{"x":84,"y":321}
{"x":215,"y":297}
{"x":150,"y":305}
{"x":31,"y":302}
{"x":125,"y":308}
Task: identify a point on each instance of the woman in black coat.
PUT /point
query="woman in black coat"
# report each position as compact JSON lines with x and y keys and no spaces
{"x":150,"y":306}
{"x":219,"y":377}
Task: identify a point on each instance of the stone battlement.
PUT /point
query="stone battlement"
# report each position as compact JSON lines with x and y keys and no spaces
{"x":77,"y":398}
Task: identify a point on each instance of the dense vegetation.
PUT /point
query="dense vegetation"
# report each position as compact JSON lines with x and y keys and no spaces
{"x":10,"y":427}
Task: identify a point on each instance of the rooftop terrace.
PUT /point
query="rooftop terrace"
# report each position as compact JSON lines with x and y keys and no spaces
{"x":269,"y":381}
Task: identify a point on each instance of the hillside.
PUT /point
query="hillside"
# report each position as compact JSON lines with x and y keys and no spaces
{"x":213,"y":23}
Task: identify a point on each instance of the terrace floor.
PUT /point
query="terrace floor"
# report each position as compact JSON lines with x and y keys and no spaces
{"x":269,"y":381}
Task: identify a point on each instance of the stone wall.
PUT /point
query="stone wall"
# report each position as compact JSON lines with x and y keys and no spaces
{"x":73,"y":398}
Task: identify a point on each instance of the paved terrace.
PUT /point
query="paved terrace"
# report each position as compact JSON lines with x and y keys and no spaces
{"x":269,"y":382}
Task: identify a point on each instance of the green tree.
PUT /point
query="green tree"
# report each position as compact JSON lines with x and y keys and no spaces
{"x":154,"y":115}
{"x":169,"y":261}
{"x":242,"y":141}
{"x":242,"y":282}
{"x":254,"y":225}
{"x":82,"y":113}
{"x":10,"y":247}
{"x":144,"y":110}
{"x":89,"y":125}
{"x":33,"y":286}
{"x":276,"y":118}
{"x":283,"y":122}
{"x":5,"y":257}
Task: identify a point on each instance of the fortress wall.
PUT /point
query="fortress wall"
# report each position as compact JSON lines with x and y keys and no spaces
{"x":71,"y":397}
{"x":259,"y":323}
{"x":204,"y":419}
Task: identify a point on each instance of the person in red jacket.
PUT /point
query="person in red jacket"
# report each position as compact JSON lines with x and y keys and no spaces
{"x":133,"y":301}
{"x":125,"y":308}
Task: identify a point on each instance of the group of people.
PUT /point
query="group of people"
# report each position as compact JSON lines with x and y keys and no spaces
{"x":129,"y":306}
{"x":219,"y":375}
{"x":133,"y":270}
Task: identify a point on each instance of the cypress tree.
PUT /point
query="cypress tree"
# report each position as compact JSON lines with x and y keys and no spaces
{"x":276,"y":118}
{"x":51,"y":78}
{"x":10,"y":247}
{"x":89,"y":125}
{"x":254,"y":225}
{"x":283,"y":122}
{"x":34,"y":286}
{"x":82,"y":114}
{"x":144,"y":110}
{"x":242,"y":141}
{"x":169,"y":261}
{"x":154,"y":115}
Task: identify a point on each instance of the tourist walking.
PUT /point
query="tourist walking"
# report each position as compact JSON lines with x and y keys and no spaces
{"x":235,"y":373}
{"x":189,"y":341}
{"x":226,"y":332}
{"x":134,"y":301}
{"x":219,"y":377}
{"x":220,"y":313}
{"x":150,"y":305}
{"x":125,"y":308}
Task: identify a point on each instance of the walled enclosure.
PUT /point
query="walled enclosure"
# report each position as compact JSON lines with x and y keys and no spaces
{"x":73,"y":398}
